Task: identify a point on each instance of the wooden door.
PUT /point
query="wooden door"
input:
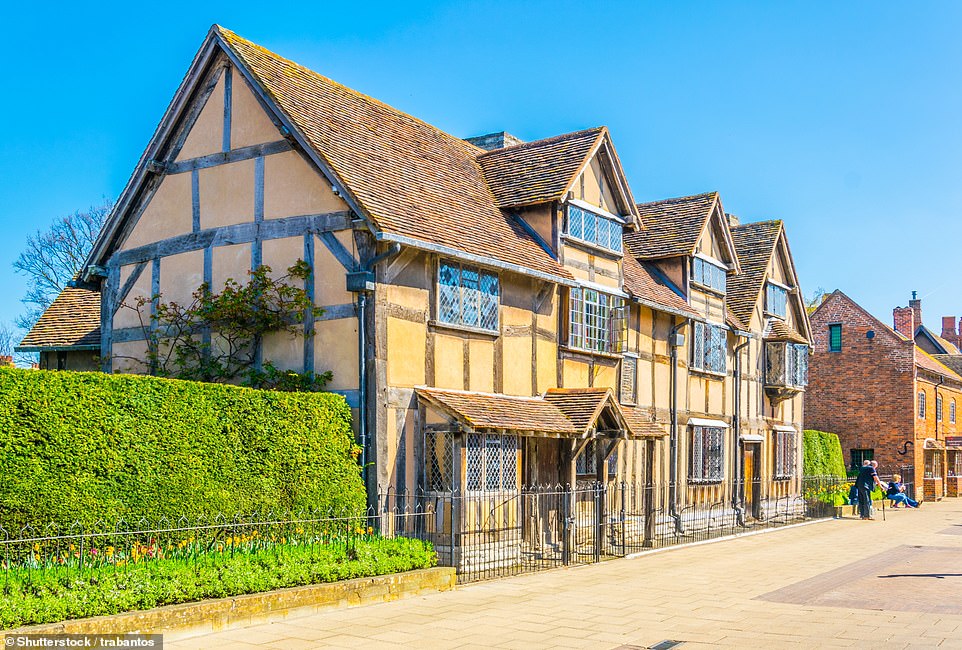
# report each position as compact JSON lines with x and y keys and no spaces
{"x":751,"y":482}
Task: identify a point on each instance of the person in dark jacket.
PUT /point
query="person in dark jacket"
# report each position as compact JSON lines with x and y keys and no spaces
{"x":865,"y":482}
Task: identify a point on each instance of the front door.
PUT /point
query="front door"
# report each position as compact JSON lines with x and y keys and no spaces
{"x":751,"y":482}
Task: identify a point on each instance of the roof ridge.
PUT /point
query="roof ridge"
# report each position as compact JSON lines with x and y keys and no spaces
{"x":458,"y":391}
{"x":542,"y":141}
{"x":228,"y":34}
{"x":678,"y":199}
{"x":766,"y":222}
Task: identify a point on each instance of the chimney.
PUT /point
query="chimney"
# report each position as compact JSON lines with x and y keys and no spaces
{"x":6,"y":361}
{"x":916,"y":305}
{"x":904,"y":321}
{"x":948,"y":330}
{"x":492,"y":141}
{"x":733,"y":220}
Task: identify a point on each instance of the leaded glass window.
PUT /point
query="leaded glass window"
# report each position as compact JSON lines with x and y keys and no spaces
{"x":776,"y":300}
{"x":586,"y":464}
{"x":594,"y":228}
{"x":596,"y":321}
{"x":786,"y":364}
{"x":784,"y":454}
{"x":938,"y":408}
{"x":709,"y":275}
{"x":439,"y":452}
{"x":922,"y":406}
{"x":709,"y":348}
{"x":707,"y":454}
{"x":491,"y":462}
{"x":467,"y":296}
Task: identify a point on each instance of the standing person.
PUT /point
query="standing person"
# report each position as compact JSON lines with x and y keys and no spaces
{"x":865,"y":482}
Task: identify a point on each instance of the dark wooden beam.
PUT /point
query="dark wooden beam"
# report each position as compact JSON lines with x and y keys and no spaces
{"x":242,"y":233}
{"x":227,"y":157}
{"x":344,"y":256}
{"x":228,"y":101}
{"x":131,"y":281}
{"x":308,"y":316}
{"x":195,"y":200}
{"x":257,"y":250}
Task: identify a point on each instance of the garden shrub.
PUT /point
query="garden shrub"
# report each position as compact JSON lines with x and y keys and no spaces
{"x":53,"y":594}
{"x":822,"y":454}
{"x":90,"y":446}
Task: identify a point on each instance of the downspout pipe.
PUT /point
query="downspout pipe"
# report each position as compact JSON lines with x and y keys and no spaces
{"x":674,"y":344}
{"x":738,"y":496}
{"x":362,"y":282}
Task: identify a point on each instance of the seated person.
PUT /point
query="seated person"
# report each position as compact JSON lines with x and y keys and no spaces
{"x":896,"y":492}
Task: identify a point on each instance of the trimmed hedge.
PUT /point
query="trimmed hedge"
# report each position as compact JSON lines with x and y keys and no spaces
{"x":823,"y":454}
{"x":86,"y":446}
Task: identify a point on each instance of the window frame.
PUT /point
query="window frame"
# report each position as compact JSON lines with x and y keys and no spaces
{"x":952,"y":411}
{"x":483,"y":275}
{"x":613,"y":240}
{"x":864,"y":453}
{"x":794,"y":366}
{"x":702,"y":342}
{"x":938,"y":407}
{"x":586,"y":467}
{"x":605,"y":313}
{"x":698,"y":279}
{"x":480,"y":465}
{"x":784,"y":454}
{"x":834,"y":327}
{"x":771,"y":285}
{"x":697,"y":455}
{"x":921,"y":405}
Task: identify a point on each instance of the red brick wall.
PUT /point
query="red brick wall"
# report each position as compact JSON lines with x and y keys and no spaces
{"x":865,"y":393}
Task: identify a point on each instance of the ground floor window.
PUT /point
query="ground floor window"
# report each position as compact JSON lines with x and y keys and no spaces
{"x":933,"y":464}
{"x":858,"y":456}
{"x":784,"y":453}
{"x":439,"y":454}
{"x":955,"y":463}
{"x":707,"y":454}
{"x":491,"y":462}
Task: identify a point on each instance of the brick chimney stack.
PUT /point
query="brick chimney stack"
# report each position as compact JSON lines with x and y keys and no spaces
{"x":904,"y":321}
{"x":6,"y":361}
{"x":948,"y":330}
{"x":916,"y":305}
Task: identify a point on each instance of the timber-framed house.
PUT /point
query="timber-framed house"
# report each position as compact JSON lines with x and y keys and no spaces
{"x":498,"y":314}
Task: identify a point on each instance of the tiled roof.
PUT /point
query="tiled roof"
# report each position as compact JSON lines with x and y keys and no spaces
{"x":71,"y":321}
{"x":640,"y":422}
{"x":672,"y":226}
{"x":925,"y":361}
{"x":539,"y":171}
{"x":733,"y":321}
{"x":412,"y":179}
{"x":778,"y":330}
{"x":947,"y":346}
{"x":952,"y":361}
{"x":501,"y":412}
{"x":647,"y":285}
{"x":755,"y":245}
{"x":580,"y":405}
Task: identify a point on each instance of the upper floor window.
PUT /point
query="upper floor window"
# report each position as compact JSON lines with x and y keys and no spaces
{"x":596,"y":321}
{"x":776,"y":299}
{"x":952,"y":412}
{"x":835,"y":337}
{"x":938,"y":408}
{"x":467,"y":296}
{"x":786,"y":364}
{"x":709,"y":274}
{"x":594,"y":228}
{"x":707,"y":454}
{"x":709,"y":348}
{"x":922,"y":405}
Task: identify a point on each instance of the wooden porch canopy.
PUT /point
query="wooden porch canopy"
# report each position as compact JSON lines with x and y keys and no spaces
{"x":560,"y":413}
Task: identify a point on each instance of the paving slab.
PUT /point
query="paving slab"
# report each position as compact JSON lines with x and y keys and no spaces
{"x":838,"y":583}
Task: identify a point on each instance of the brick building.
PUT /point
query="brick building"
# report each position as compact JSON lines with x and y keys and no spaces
{"x":886,"y":397}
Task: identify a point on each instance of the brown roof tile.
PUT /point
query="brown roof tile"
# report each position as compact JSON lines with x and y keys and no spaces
{"x":641,"y":423}
{"x":952,"y":361}
{"x":755,"y":245}
{"x":926,"y":361}
{"x":412,"y":179}
{"x":672,"y":226}
{"x":539,"y":171}
{"x":647,"y":285}
{"x":501,"y":412}
{"x":71,"y":321}
{"x":583,"y":406}
{"x":778,"y":330}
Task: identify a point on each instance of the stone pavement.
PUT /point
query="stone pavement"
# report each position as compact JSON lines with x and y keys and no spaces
{"x":842,"y":583}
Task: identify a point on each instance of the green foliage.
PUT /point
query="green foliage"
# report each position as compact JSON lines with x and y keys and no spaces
{"x":237,"y":318}
{"x":822,"y":454}
{"x":89,"y":446}
{"x":46,"y":596}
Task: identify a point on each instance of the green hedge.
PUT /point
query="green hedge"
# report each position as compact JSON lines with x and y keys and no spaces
{"x":823,"y":454}
{"x":88,"y":446}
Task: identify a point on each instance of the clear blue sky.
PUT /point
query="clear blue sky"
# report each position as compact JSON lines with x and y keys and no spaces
{"x":843,"y":119}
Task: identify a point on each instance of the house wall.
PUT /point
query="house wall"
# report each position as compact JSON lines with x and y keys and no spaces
{"x":201,"y":200}
{"x":865,"y":393}
{"x":77,"y":360}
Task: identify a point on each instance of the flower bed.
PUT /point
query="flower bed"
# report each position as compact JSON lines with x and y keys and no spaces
{"x":53,"y":584}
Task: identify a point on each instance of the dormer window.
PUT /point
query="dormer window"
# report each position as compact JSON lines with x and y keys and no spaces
{"x":709,"y":274}
{"x":589,"y":225}
{"x":776,"y":299}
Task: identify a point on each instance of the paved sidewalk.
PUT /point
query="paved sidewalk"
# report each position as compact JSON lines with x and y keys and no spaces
{"x":845,"y":583}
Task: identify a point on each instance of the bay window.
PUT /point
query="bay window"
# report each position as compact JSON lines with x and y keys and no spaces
{"x":786,"y":364}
